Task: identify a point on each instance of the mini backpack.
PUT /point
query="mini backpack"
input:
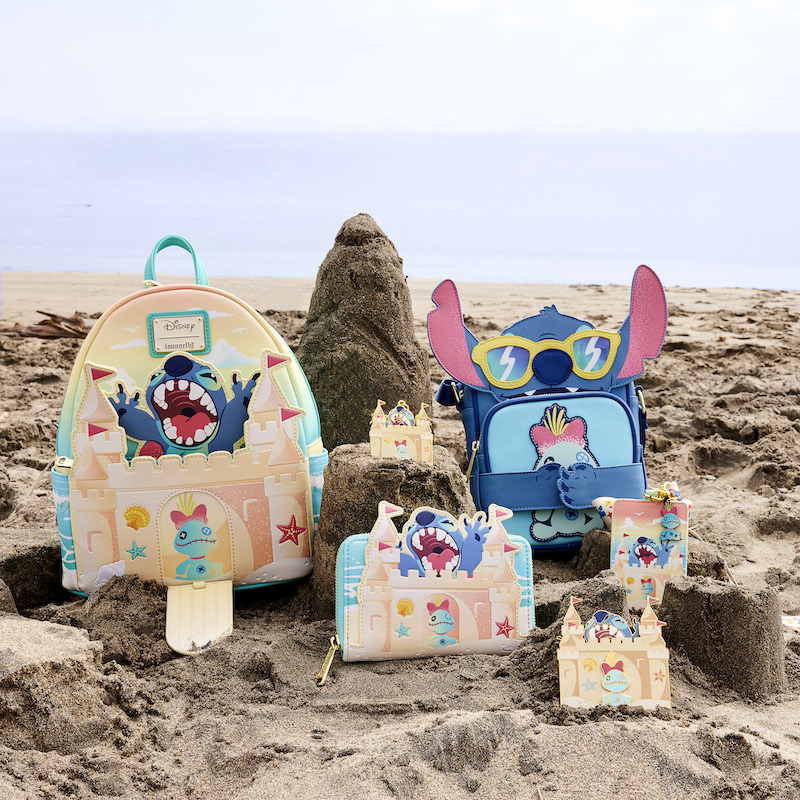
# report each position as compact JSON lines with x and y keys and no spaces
{"x":551,"y":413}
{"x":188,"y":450}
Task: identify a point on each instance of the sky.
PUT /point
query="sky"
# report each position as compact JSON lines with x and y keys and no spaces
{"x":382,"y":65}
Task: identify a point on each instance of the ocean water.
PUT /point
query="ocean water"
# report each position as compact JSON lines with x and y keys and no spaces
{"x":701,"y":209}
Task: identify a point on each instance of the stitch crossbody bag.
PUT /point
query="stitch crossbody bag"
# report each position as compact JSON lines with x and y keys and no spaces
{"x":551,"y":413}
{"x":444,"y":586}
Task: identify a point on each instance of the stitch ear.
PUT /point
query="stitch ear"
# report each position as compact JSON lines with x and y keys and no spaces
{"x":647,"y":321}
{"x":449,"y":338}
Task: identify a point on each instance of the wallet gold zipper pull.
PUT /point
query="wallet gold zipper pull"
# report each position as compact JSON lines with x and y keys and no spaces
{"x":322,"y":675}
{"x":475,"y":445}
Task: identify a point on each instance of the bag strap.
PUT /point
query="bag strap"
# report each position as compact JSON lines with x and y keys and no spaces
{"x":178,"y":241}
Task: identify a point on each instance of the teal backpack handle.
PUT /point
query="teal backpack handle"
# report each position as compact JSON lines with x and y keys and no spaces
{"x":168,"y":241}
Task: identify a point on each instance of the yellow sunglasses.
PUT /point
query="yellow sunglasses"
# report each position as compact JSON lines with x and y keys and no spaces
{"x":507,"y":361}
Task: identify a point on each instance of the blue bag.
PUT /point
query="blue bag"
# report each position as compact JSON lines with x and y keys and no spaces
{"x":550,"y":410}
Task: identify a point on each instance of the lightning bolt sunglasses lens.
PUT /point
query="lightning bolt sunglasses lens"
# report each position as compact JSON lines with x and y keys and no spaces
{"x":593,"y":352}
{"x":506,"y":360}
{"x":507,"y":364}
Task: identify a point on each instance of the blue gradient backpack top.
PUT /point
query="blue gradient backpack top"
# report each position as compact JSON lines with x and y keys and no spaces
{"x":550,"y":410}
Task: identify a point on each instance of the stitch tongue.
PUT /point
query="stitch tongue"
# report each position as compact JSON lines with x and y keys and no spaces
{"x":188,"y":423}
{"x":645,"y":554}
{"x":438,"y":552}
{"x":187,"y":414}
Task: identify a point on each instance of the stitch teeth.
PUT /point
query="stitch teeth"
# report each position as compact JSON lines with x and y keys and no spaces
{"x":159,"y":393}
{"x":189,"y":441}
{"x":170,"y":386}
{"x":195,"y":391}
{"x":179,"y":440}
{"x":200,"y":436}
{"x":183,"y":385}
{"x":209,"y":429}
{"x":208,"y":404}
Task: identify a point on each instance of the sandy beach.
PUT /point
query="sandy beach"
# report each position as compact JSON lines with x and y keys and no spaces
{"x":125,"y":717}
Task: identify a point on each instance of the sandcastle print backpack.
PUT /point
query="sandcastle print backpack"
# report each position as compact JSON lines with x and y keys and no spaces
{"x":188,"y":453}
{"x":550,"y":410}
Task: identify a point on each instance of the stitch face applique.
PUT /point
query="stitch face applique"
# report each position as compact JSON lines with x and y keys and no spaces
{"x":186,"y":409}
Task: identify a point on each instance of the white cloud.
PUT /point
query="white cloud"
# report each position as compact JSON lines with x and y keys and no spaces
{"x":222,"y":355}
{"x":131,"y":343}
{"x":111,"y":386}
{"x":211,"y":314}
{"x":629,"y":525}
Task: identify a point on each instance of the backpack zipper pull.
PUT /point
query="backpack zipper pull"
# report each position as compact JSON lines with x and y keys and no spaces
{"x":322,"y":675}
{"x":475,"y":446}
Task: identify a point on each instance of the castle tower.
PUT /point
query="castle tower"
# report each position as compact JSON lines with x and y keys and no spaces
{"x":378,"y":415}
{"x":422,"y":420}
{"x":264,"y":408}
{"x":422,"y":425}
{"x":384,"y":539}
{"x":97,"y":442}
{"x":273,"y":433}
{"x":376,"y":429}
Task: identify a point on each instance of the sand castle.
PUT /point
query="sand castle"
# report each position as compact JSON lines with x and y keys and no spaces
{"x":254,"y":500}
{"x":400,"y":434}
{"x":413,"y":614}
{"x":606,"y":662}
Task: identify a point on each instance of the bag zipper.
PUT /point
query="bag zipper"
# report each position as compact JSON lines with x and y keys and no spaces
{"x":475,"y":447}
{"x":322,"y":674}
{"x":63,"y":464}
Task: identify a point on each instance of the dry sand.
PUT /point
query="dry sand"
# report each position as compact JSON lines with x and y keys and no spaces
{"x":115,"y":714}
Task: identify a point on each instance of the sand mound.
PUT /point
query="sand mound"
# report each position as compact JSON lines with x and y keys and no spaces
{"x":112,"y":713}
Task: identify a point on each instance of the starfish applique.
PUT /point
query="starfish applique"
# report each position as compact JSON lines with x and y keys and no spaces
{"x":659,"y":676}
{"x":504,"y":628}
{"x":589,"y":685}
{"x":402,"y":631}
{"x":136,"y":551}
{"x":291,"y":532}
